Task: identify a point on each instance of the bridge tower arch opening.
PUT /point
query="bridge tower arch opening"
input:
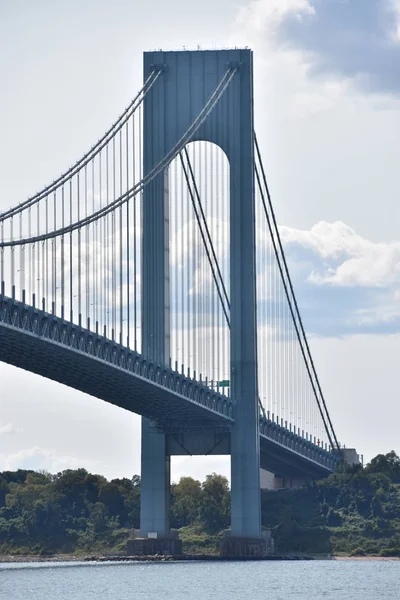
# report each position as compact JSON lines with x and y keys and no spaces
{"x":188,"y":80}
{"x":199,"y":267}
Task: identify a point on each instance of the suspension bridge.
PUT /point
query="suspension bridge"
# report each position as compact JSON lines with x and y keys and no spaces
{"x":151,"y":274}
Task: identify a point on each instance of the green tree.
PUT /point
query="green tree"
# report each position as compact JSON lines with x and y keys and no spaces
{"x":132,"y":503}
{"x":185,"y":502}
{"x":388,"y":464}
{"x":4,"y":490}
{"x":215,"y":503}
{"x":98,"y":517}
{"x":71,"y":486}
{"x":92,"y":486}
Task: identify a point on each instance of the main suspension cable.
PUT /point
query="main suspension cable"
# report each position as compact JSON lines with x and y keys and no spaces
{"x":91,"y":154}
{"x":191,"y":130}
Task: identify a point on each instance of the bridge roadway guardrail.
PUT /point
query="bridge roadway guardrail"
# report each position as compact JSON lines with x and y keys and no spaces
{"x":50,"y":327}
{"x":298,"y":444}
{"x":55,"y":329}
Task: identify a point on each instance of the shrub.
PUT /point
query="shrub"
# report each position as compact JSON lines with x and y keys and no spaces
{"x":390,"y":552}
{"x":358,"y":552}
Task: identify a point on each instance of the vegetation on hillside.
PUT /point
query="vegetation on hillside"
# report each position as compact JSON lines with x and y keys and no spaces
{"x":75,"y":511}
{"x":354,"y":511}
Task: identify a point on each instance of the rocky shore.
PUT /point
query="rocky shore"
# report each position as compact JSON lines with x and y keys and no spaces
{"x":60,"y":558}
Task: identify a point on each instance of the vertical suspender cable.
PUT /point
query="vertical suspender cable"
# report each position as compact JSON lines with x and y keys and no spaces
{"x":135,"y":236}
{"x":127,"y":242}
{"x":287,"y":295}
{"x":214,"y":304}
{"x":87,"y":250}
{"x":70,"y":255}
{"x":176,"y":266}
{"x":99,"y":252}
{"x":196,"y":363}
{"x":2,"y":253}
{"x":12,"y":256}
{"x":113,"y":255}
{"x":30,"y":252}
{"x":21,"y":253}
{"x":121,"y":300}
{"x":107,"y":245}
{"x":286,"y":271}
{"x":93,"y":252}
{"x":62,"y":252}
{"x":79,"y":254}
{"x":53,"y":261}
{"x":182,"y":293}
{"x":38,"y":273}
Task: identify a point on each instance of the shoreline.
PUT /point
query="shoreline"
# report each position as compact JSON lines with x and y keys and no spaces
{"x":68,"y":558}
{"x":366,"y":558}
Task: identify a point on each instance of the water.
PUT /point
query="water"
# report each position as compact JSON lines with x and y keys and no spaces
{"x":314,"y":580}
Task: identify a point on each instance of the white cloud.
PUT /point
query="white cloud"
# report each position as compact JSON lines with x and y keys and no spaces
{"x":396,"y":8}
{"x":261,"y":15}
{"x":199,"y":466}
{"x":344,"y":282}
{"x":282,"y":71}
{"x":349,"y":259}
{"x":356,"y":40}
{"x":37,"y":458}
{"x":8,"y":429}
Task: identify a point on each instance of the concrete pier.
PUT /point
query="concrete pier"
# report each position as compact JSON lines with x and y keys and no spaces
{"x":161,"y":546}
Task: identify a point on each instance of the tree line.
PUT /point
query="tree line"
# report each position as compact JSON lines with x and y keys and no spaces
{"x":71,"y":509}
{"x":355,"y":509}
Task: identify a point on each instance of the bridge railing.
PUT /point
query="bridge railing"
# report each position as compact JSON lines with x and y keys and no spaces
{"x":49,"y":327}
{"x":46,"y":326}
{"x":307,"y":447}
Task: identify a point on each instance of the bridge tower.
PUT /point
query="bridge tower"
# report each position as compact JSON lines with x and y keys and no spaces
{"x":187,"y":81}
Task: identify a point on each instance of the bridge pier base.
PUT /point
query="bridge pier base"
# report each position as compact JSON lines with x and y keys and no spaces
{"x":165,"y":546}
{"x":237,"y":547}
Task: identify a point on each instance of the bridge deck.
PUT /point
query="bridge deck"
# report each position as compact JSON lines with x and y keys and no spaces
{"x":62,"y":351}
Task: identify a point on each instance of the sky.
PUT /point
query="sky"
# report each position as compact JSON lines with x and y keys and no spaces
{"x":327,"y":115}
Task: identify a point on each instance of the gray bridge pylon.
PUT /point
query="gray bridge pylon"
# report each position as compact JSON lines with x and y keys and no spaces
{"x":188,"y":80}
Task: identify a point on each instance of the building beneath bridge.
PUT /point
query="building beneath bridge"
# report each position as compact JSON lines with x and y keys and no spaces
{"x":269,"y":481}
{"x":272,"y":481}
